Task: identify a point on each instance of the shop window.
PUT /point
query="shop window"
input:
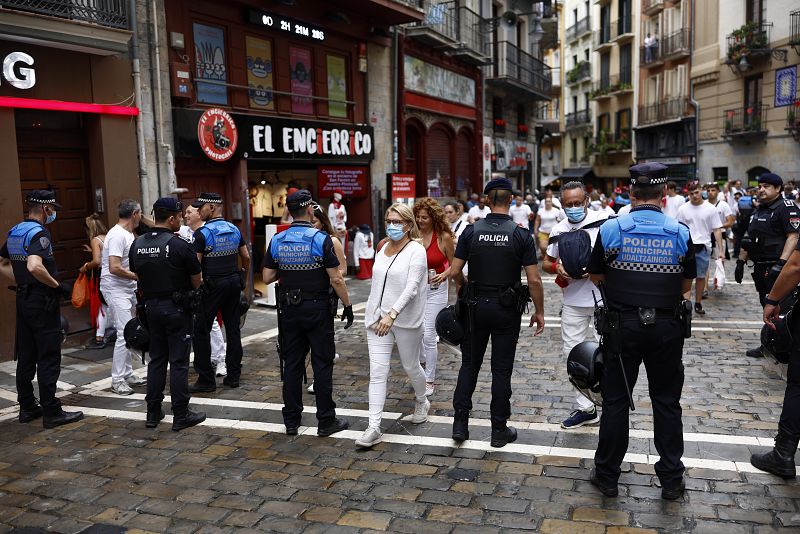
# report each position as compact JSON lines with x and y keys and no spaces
{"x":337,"y":86}
{"x":300,"y":68}
{"x":210,"y":67}
{"x":720,"y":174}
{"x":259,"y":73}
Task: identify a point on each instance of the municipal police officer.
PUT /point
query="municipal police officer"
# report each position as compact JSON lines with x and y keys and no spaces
{"x":218,"y":243}
{"x":496,"y":249}
{"x":27,"y":258}
{"x":168,"y":272}
{"x":771,"y":238}
{"x":304,"y":260}
{"x":645,"y":260}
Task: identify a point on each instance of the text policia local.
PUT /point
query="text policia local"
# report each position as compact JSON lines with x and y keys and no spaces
{"x":329,"y":142}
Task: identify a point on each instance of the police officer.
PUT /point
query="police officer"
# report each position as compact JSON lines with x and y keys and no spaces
{"x":645,"y":260}
{"x":772,"y":237}
{"x":27,"y":258}
{"x":168,"y":272}
{"x":218,"y":243}
{"x":304,"y":260}
{"x":496,"y":249}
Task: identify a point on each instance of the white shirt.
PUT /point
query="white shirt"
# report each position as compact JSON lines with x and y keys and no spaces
{"x":723,"y":210}
{"x":702,"y":220}
{"x":624,"y":210}
{"x":672,"y":204}
{"x":520,"y":214}
{"x":608,"y":210}
{"x":363,"y":247}
{"x":186,"y":233}
{"x":548,"y":219}
{"x":406,"y":287}
{"x":118,"y":243}
{"x":459,"y":226}
{"x":338,"y":216}
{"x":477,"y":213}
{"x":649,"y":41}
{"x":578,"y":292}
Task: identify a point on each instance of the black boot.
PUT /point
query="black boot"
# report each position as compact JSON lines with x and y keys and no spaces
{"x":461,"y":426}
{"x":154,"y":416}
{"x":29,"y":413}
{"x":780,"y":460}
{"x":190,"y":418}
{"x":61,"y":418}
{"x":332,"y":427}
{"x":501,"y":438}
{"x":755,"y":353}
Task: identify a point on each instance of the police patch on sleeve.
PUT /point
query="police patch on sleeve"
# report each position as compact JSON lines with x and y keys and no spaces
{"x":44,"y":242}
{"x":794,"y":222}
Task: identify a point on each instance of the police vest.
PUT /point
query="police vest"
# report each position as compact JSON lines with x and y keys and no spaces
{"x":646,"y":270}
{"x":158,"y":276}
{"x":298,"y":251}
{"x":493,"y":260}
{"x":767,"y":233}
{"x":222,"y":247}
{"x":19,"y":240}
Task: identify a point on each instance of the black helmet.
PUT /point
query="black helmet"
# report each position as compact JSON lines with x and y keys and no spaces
{"x":585,"y":369}
{"x":136,"y":335}
{"x":244,"y":305}
{"x":778,"y":342}
{"x":448,"y":325}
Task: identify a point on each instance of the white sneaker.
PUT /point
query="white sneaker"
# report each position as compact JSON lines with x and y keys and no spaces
{"x":310,"y":388}
{"x":335,"y":357}
{"x":122,"y":388}
{"x":222,"y":369}
{"x":429,"y":388}
{"x":136,"y":380}
{"x":370,"y":437}
{"x":421,"y":412}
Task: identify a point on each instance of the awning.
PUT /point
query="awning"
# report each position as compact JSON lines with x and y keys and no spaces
{"x":547,"y":180}
{"x":577,"y":173}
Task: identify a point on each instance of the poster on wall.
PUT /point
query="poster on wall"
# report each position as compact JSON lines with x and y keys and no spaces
{"x":351,"y":181}
{"x":785,"y":86}
{"x":300,"y":68}
{"x":209,"y":52}
{"x":259,"y":73}
{"x":404,"y":186}
{"x":510,"y":155}
{"x":435,"y":81}
{"x":337,"y":87}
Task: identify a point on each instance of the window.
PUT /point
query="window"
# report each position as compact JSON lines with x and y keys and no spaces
{"x":574,"y":103}
{"x":720,"y":174}
{"x":586,"y":54}
{"x":605,"y":71}
{"x":604,"y":122}
{"x":752,"y":90}
{"x":300,"y":68}
{"x":259,"y":73}
{"x":754,"y":9}
{"x":625,"y":59}
{"x":574,"y":152}
{"x":575,"y":15}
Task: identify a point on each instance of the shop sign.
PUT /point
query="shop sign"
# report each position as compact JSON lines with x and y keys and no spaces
{"x":403,"y":186}
{"x":217,"y":134}
{"x":349,"y":181}
{"x":17,"y":76}
{"x":263,"y":137}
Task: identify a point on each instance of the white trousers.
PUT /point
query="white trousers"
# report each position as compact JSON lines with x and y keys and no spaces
{"x":577,"y":325}
{"x":380,"y":353}
{"x":123,"y":307}
{"x":428,"y":352}
{"x":104,"y":321}
{"x":217,"y":343}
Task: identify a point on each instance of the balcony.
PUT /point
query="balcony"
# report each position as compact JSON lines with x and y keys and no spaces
{"x":579,"y":29}
{"x":794,"y":34}
{"x":583,"y":161}
{"x":602,"y":38}
{"x":608,"y":142}
{"x":458,"y":30}
{"x":473,"y":46}
{"x":622,"y":29}
{"x":577,"y":119}
{"x":555,"y":86}
{"x":517,"y":71}
{"x":108,"y":13}
{"x":582,"y":72}
{"x":664,"y":111}
{"x":677,"y":44}
{"x":614,"y":86}
{"x":793,"y":120}
{"x":652,"y":8}
{"x":744,"y":123}
{"x":650,"y":56}
{"x":748,"y":44}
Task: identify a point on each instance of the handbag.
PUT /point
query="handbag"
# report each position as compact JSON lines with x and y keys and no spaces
{"x":81,"y":292}
{"x":386,"y":274}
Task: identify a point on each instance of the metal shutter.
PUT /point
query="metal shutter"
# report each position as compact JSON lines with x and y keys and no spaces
{"x":437,"y":166}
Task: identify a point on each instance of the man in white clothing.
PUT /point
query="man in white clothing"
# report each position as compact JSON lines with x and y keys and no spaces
{"x":520,"y":212}
{"x":673,"y":200}
{"x":726,"y":217}
{"x":118,"y":285}
{"x":577,"y":313}
{"x":479,"y":211}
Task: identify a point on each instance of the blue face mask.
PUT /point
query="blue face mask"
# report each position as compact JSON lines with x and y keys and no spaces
{"x":575,"y":215}
{"x":705,"y":195}
{"x":50,"y":218}
{"x":395,"y":232}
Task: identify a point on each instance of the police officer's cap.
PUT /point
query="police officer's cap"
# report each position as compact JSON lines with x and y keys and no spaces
{"x":648,"y":174}
{"x":498,"y":183}
{"x":43,"y":197}
{"x":299,"y":199}
{"x":168,"y":204}
{"x":207,"y":198}
{"x":771,"y":178}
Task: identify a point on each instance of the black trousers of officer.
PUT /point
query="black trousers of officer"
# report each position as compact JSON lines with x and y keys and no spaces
{"x":308,"y":325}
{"x":760,"y":280}
{"x":660,"y":347}
{"x":790,"y":415}
{"x":170,"y":328}
{"x":38,"y":342}
{"x":223,"y":297}
{"x":502,"y":324}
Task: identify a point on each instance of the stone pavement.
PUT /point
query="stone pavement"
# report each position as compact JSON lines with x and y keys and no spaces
{"x":239,"y":472}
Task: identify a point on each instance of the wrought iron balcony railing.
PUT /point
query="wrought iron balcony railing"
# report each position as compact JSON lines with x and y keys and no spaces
{"x":650,"y":55}
{"x":793,"y":119}
{"x":578,"y":29}
{"x":511,"y":64}
{"x":666,"y":110}
{"x":622,"y":27}
{"x":677,"y":43}
{"x":607,"y":141}
{"x":602,"y":37}
{"x":440,"y":17}
{"x":612,"y":85}
{"x":471,"y":31}
{"x":745,"y":121}
{"x":110,"y":13}
{"x":579,"y":73}
{"x":651,"y":8}
{"x":577,"y":118}
{"x":751,"y":41}
{"x":794,"y":34}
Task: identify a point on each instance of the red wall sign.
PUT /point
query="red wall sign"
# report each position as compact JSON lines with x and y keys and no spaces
{"x":403,"y":186}
{"x":350,"y":181}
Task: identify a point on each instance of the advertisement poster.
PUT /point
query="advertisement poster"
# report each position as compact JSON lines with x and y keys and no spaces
{"x":209,"y":56}
{"x":433,"y":80}
{"x":785,"y":86}
{"x":300,"y":67}
{"x":337,"y":87}
{"x":259,"y":73}
{"x":351,"y":181}
{"x":403,"y":186}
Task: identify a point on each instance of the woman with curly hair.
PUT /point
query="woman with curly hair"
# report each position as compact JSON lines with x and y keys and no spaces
{"x":440,"y":245}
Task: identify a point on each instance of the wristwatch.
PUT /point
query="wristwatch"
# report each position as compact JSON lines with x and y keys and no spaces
{"x":770,"y":301}
{"x":393,"y":315}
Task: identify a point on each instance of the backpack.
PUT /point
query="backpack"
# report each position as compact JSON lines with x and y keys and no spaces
{"x":575,"y":249}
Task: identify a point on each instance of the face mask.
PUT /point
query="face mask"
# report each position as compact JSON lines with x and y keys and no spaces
{"x":395,"y":232}
{"x":50,"y":218}
{"x":704,"y":194}
{"x":575,"y":214}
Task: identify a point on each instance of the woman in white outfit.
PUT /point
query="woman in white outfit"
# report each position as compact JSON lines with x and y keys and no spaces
{"x":440,"y":245}
{"x":394,"y":314}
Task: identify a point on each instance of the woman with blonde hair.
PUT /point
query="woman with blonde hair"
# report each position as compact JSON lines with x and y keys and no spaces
{"x":394,"y":315}
{"x":440,"y":245}
{"x":96,"y":232}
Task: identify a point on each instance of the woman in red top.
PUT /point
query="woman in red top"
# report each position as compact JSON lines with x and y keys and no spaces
{"x":440,"y":244}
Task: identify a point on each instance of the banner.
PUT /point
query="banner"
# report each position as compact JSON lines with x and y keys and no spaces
{"x":337,"y":87}
{"x":209,"y":52}
{"x":350,"y":181}
{"x":403,"y":186}
{"x":300,"y":68}
{"x":259,"y":73}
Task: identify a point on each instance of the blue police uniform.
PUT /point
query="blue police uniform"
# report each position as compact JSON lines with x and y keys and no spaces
{"x":644,"y":256}
{"x":218,"y":241}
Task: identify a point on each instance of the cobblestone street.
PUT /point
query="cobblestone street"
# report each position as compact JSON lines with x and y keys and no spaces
{"x":238,"y":472}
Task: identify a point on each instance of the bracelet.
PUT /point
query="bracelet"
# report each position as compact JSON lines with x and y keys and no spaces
{"x":781,"y":262}
{"x":771,"y":302}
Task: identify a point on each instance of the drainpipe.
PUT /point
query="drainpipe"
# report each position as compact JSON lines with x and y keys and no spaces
{"x":155,"y":92}
{"x":395,"y":67}
{"x":692,"y":101}
{"x":137,"y":95}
